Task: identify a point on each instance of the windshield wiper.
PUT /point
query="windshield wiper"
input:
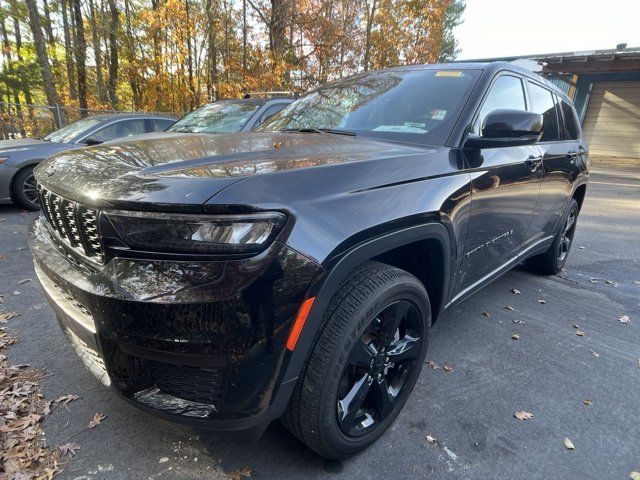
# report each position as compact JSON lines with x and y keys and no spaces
{"x":319,"y":130}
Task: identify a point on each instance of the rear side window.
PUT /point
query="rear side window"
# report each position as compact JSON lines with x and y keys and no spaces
{"x":542,"y":102}
{"x":269,"y":112}
{"x":571,"y":125}
{"x":506,"y":93}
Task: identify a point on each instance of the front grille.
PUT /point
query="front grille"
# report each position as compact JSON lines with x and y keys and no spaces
{"x":74,"y":224}
{"x":202,"y":385}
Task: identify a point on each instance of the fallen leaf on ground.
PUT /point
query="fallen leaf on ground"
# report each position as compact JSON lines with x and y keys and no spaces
{"x":594,"y":353}
{"x":4,"y":316}
{"x":523,"y":415}
{"x":582,"y":248}
{"x":508,"y":307}
{"x":580,"y":333}
{"x":515,"y":291}
{"x":586,"y":402}
{"x":624,"y":318}
{"x":594,"y":280}
{"x":431,"y":439}
{"x":520,"y":322}
{"x":636,"y":282}
{"x":97,"y":419}
{"x":433,"y":364}
{"x":239,"y":473}
{"x":576,"y":326}
{"x":16,"y":292}
{"x":163,"y":460}
{"x":64,"y":399}
{"x":542,"y":301}
{"x":634,"y":475}
{"x":68,"y":449}
{"x":569,"y":444}
{"x":26,"y":280}
{"x":447,"y":368}
{"x":515,"y":336}
{"x":485,"y":314}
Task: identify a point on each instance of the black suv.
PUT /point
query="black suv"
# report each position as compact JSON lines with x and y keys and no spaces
{"x":229,"y":280}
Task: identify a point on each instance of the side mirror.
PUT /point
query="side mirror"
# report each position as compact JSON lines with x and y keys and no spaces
{"x":508,"y":128}
{"x":92,"y":141}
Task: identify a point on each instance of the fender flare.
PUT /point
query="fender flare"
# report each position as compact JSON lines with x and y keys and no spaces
{"x":325,"y":287}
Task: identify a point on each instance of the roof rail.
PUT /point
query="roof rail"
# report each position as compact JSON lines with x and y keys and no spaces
{"x":274,"y":94}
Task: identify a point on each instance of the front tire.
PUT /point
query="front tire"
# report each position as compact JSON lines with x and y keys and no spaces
{"x":553,"y":260}
{"x":364,"y":363}
{"x":24,"y":189}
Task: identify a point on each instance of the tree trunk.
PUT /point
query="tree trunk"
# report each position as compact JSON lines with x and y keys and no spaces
{"x":370,"y":17}
{"x":11,"y":71}
{"x":80,"y":51}
{"x":193,"y":101}
{"x":97,"y":52}
{"x":131,"y":40}
{"x":47,"y":23}
{"x":68,"y":52}
{"x":24,"y":79}
{"x":113,"y":54}
{"x":41,"y":53}
{"x":212,"y":50}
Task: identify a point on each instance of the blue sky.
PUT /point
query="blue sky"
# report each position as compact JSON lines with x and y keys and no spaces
{"x":496,"y":28}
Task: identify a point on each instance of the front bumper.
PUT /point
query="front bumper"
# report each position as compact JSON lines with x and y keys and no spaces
{"x":196,"y":341}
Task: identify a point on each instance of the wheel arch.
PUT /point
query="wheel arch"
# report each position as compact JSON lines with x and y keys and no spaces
{"x":579,"y":194}
{"x":397,"y":248}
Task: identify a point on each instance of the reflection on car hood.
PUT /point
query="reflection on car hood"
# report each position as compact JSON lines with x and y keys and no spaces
{"x":7,"y":146}
{"x":173,"y":170}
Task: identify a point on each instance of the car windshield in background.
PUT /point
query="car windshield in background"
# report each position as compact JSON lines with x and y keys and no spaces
{"x":417,"y":106}
{"x":73,"y":131}
{"x":218,"y":117}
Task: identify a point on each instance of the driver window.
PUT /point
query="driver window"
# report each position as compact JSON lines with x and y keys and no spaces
{"x":123,"y":128}
{"x":506,"y":93}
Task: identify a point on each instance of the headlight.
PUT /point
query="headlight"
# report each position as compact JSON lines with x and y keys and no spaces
{"x":197,"y":234}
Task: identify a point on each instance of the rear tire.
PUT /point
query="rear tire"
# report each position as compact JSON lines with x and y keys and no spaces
{"x":364,"y":363}
{"x":553,"y":260}
{"x":24,"y":189}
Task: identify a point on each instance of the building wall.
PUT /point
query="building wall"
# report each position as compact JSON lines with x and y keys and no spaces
{"x":581,"y":98}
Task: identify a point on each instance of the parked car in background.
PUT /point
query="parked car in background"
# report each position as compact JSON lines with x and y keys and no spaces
{"x":19,"y":157}
{"x":226,"y":116}
{"x":229,"y":280}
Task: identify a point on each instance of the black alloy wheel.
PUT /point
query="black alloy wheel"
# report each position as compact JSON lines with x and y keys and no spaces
{"x":364,"y":361}
{"x":378,"y":367}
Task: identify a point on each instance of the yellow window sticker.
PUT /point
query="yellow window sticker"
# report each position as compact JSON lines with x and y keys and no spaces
{"x":449,"y":73}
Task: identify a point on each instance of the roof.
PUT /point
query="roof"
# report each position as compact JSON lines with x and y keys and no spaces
{"x":113,"y":116}
{"x":620,"y":59}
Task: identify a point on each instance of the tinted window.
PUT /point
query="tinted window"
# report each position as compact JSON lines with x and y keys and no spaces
{"x":418,"y":106}
{"x":71,"y":132}
{"x":542,"y":102}
{"x":123,"y":128}
{"x":571,"y":128}
{"x":160,"y":125}
{"x":218,"y":117}
{"x":506,"y":93}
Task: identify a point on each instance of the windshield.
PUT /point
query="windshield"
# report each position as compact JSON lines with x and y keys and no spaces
{"x":417,"y":106}
{"x":218,"y":117}
{"x":73,"y":131}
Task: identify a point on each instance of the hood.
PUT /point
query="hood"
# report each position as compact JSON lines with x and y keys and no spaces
{"x":182,"y":171}
{"x":29,"y":148}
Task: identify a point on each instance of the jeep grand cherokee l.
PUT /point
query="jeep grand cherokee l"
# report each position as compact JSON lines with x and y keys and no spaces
{"x":230,"y":280}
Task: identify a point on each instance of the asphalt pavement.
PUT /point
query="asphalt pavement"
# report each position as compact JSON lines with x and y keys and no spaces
{"x":550,"y":371}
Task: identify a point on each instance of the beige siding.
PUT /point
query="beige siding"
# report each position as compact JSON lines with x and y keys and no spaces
{"x":612,"y":121}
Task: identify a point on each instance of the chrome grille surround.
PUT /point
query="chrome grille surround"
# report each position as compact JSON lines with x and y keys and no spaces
{"x":75,"y":225}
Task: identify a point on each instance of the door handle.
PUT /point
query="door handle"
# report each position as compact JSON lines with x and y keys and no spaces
{"x":572,"y":156}
{"x":533,"y":163}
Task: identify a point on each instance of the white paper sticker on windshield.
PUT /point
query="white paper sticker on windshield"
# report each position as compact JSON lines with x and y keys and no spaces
{"x":438,"y":114}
